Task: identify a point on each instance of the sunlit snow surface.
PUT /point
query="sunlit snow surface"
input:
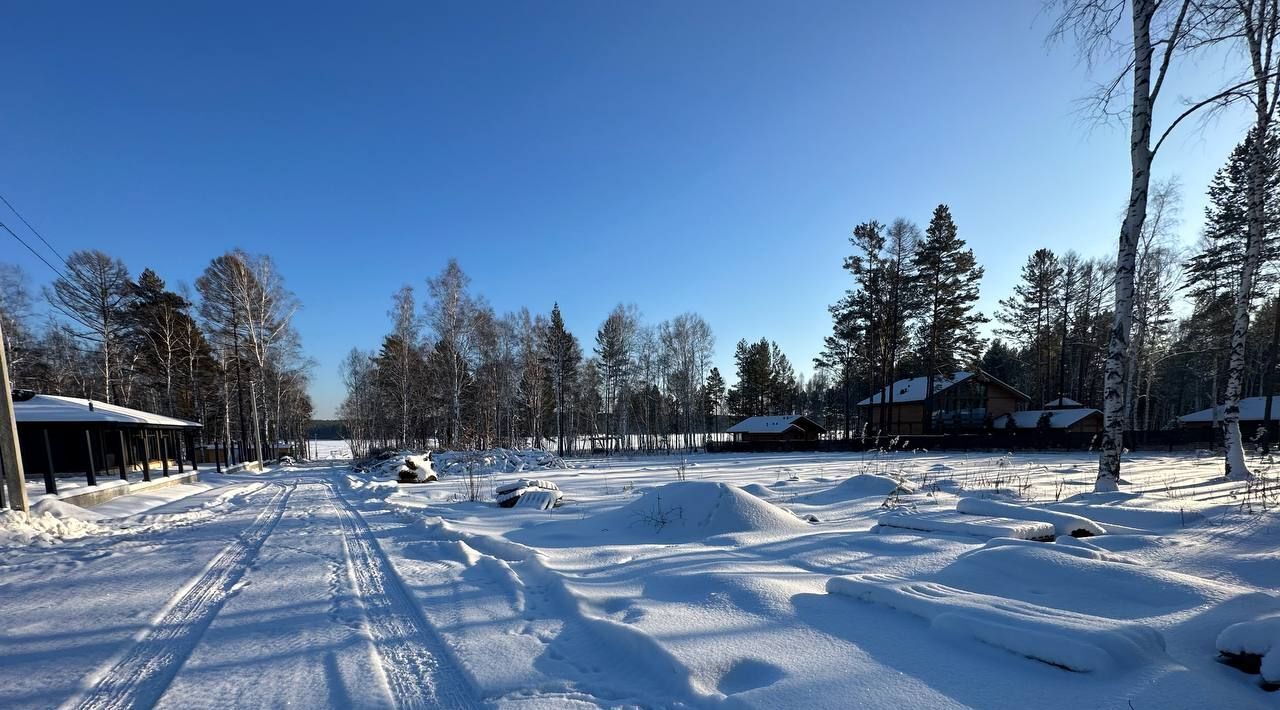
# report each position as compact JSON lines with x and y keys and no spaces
{"x":759,"y":581}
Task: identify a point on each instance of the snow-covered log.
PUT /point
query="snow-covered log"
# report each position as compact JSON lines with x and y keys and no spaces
{"x":1064,"y":523}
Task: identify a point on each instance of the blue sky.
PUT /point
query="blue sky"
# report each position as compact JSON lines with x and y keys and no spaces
{"x":709,"y":157}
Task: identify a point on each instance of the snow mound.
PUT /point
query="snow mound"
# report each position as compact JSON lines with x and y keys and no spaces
{"x":19,"y":528}
{"x":1152,"y":519}
{"x":863,"y":485}
{"x":63,"y":510}
{"x":684,"y":511}
{"x":1076,"y":578}
{"x":947,"y":521}
{"x":1072,"y":641}
{"x":1254,"y":643}
{"x":1064,"y":523}
{"x":758,"y":490}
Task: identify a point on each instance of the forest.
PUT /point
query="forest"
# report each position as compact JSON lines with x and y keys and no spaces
{"x":224,"y":354}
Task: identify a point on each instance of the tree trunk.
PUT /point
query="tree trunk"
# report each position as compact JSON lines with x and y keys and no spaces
{"x":1140,"y":180}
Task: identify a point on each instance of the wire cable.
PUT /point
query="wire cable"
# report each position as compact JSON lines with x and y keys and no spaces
{"x":32,"y":250}
{"x":34,"y":231}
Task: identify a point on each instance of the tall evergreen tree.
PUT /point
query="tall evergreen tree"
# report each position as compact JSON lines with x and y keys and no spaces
{"x":947,"y":328}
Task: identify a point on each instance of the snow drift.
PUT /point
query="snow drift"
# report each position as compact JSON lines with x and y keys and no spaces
{"x":1075,"y":642}
{"x":863,"y":485}
{"x":684,"y":511}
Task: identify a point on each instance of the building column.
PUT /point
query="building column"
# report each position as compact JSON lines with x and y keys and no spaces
{"x":162,"y":442}
{"x":178,"y":449}
{"x":146,"y":456}
{"x":193,"y":440}
{"x":124,"y":456}
{"x":91,"y":474}
{"x":50,"y":483}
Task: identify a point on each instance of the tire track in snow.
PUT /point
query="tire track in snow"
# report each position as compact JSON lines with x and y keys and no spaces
{"x":419,"y":671}
{"x":142,"y":675}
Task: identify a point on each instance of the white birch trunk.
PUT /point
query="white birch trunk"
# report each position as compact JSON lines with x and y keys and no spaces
{"x":1118,"y":343}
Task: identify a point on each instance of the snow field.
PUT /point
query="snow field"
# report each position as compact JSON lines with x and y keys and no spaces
{"x":762,"y":581}
{"x":648,"y":590}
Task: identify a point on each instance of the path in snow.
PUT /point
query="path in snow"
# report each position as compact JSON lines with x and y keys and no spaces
{"x":304,"y":591}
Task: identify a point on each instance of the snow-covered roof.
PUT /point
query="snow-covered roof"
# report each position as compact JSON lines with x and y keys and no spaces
{"x":48,"y":408}
{"x":1252,"y":409}
{"x":1030,"y":419}
{"x":1061,"y":403}
{"x":914,"y":389}
{"x":771,"y":424}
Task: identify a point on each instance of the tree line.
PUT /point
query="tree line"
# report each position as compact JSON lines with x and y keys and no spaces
{"x":452,"y":373}
{"x":224,"y":354}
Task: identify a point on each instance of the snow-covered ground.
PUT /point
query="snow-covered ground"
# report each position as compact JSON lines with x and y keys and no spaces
{"x":757,"y":581}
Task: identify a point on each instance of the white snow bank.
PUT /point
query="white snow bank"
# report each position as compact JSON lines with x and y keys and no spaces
{"x":66,"y":511}
{"x":949,"y":521}
{"x":1064,"y":523}
{"x":863,"y":485}
{"x":1076,"y":642}
{"x":1258,"y":637}
{"x":19,"y":528}
{"x":684,"y":511}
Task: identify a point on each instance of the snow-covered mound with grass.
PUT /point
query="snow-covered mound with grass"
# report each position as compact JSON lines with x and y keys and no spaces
{"x":685,"y":511}
{"x":1075,"y":642}
{"x":44,"y":528}
{"x":1064,"y":523}
{"x":862,"y":485}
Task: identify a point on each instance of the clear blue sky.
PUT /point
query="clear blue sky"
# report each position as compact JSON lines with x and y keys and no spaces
{"x":708,"y":156}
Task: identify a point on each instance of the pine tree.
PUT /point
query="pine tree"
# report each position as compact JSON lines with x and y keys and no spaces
{"x":562,"y":356}
{"x":947,"y":328}
{"x":1027,"y":317}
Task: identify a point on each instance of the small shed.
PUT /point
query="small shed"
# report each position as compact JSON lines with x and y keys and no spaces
{"x":788,"y":427}
{"x":1078,"y":419}
{"x":85,"y":437}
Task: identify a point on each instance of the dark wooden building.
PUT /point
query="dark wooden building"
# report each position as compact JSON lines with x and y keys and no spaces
{"x":964,"y":401}
{"x":789,"y":427}
{"x":65,"y":436}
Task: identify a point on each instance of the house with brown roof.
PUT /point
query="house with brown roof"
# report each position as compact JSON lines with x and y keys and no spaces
{"x":962,"y":401}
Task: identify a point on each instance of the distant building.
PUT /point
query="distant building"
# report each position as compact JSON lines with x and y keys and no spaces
{"x":791,"y":427}
{"x":964,"y":401}
{"x":1077,"y":419}
{"x":1252,"y":410}
{"x":1062,"y":403}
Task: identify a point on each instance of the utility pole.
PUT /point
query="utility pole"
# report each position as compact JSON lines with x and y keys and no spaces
{"x":10,"y":450}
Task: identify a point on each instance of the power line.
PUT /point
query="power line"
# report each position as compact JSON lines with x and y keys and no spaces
{"x":34,"y":231}
{"x":32,"y":250}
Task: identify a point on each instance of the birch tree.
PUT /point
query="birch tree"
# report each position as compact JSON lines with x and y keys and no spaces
{"x":1253,"y":25}
{"x":1156,"y":31}
{"x":93,"y":295}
